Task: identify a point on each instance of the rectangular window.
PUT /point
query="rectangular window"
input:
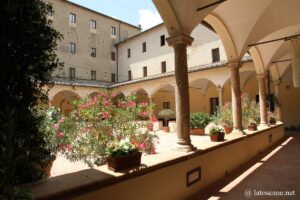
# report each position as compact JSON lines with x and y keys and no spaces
{"x":113,"y":56}
{"x":93,"y":52}
{"x":72,"y":72}
{"x":128,"y":53}
{"x":113,"y":30}
{"x":93,"y":75}
{"x":72,"y":47}
{"x":144,"y":47}
{"x":166,"y":105}
{"x":145,"y":71}
{"x":129,"y":75}
{"x":72,"y":18}
{"x":93,"y":24}
{"x":163,"y":67}
{"x":214,"y":103}
{"x":162,"y":40}
{"x":113,"y":78}
{"x":215,"y":55}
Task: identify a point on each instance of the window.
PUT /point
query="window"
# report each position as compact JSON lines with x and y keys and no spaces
{"x":163,"y":67}
{"x":72,"y":18}
{"x":214,"y":103}
{"x":144,"y":47}
{"x":93,"y":75}
{"x":93,"y":52}
{"x":113,"y":30}
{"x":166,"y":105}
{"x":113,"y":56}
{"x":72,"y":47}
{"x":128,"y":53}
{"x":72,"y":72}
{"x":215,"y":55}
{"x":129,"y":75}
{"x":113,"y":78}
{"x":93,"y":24}
{"x":145,"y":71}
{"x":162,"y":40}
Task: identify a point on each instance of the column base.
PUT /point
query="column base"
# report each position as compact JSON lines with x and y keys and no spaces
{"x":184,"y":148}
{"x":262,"y":126}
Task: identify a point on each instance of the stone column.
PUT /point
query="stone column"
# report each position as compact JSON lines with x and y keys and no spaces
{"x":236,"y":97}
{"x":179,"y":43}
{"x":278,"y":101}
{"x":262,"y":101}
{"x":220,"y":92}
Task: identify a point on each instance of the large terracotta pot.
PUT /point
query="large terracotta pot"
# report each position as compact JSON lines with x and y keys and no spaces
{"x":166,"y":129}
{"x":252,"y":127}
{"x":124,"y":162}
{"x":227,"y":129}
{"x":197,"y":131}
{"x":217,"y":137}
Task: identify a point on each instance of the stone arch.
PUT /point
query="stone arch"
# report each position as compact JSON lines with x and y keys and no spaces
{"x":141,"y":95}
{"x":201,"y":84}
{"x":257,"y":60}
{"x":224,"y":35}
{"x":63,"y":100}
{"x":157,"y":88}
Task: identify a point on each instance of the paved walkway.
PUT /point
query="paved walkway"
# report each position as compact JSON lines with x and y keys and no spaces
{"x":272,"y":175}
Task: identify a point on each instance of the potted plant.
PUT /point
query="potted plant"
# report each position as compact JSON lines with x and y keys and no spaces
{"x":216,"y":134}
{"x":198,"y":122}
{"x":166,"y":114}
{"x":271,"y":118}
{"x":252,"y":125}
{"x":123,"y":155}
{"x":98,"y":123}
{"x":226,"y":117}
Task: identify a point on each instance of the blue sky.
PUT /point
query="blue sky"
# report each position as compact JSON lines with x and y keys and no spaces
{"x":132,"y":11}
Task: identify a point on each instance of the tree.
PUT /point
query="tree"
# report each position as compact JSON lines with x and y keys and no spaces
{"x":27,"y":55}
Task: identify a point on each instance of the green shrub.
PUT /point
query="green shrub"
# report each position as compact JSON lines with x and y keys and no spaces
{"x":199,"y":120}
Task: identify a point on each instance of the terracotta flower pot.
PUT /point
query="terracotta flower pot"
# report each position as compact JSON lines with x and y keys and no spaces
{"x":252,"y":127}
{"x":227,"y":129}
{"x":272,"y":122}
{"x":124,"y":162}
{"x":217,"y":137}
{"x":166,"y":129}
{"x":197,"y":131}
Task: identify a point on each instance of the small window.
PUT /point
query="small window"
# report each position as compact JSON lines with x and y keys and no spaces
{"x":145,"y":71}
{"x":128,"y":53}
{"x":93,"y":24}
{"x":72,"y":72}
{"x":162,"y":40}
{"x":214,"y":104}
{"x":113,"y":78}
{"x":72,"y":18}
{"x":93,"y":52}
{"x":163,"y":67}
{"x":215,"y":55}
{"x":93,"y":75}
{"x":113,"y":56}
{"x":166,"y":105}
{"x":113,"y":30}
{"x":72,"y":47}
{"x":129,"y":75}
{"x":144,"y":47}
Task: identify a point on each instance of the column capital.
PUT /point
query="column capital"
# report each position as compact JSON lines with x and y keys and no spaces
{"x":219,"y":88}
{"x":276,"y":82}
{"x":180,"y":39}
{"x":261,"y":76}
{"x":233,"y":65}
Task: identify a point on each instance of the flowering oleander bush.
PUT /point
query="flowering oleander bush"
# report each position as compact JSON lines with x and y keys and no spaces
{"x":102,"y":122}
{"x":250,"y":111}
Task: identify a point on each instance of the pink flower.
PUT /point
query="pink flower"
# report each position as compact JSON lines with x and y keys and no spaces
{"x":56,"y":126}
{"x":95,"y":99}
{"x":144,"y":104}
{"x":106,"y":103}
{"x":143,"y":114}
{"x":83,"y":130}
{"x":131,"y":104}
{"x":153,"y":119}
{"x":59,"y":134}
{"x":61,"y":120}
{"x":113,"y":95}
{"x":153,"y":150}
{"x":141,"y":146}
{"x":123,"y":104}
{"x":105,"y":115}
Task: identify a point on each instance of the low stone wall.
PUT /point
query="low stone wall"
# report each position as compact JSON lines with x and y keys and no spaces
{"x":163,"y":176}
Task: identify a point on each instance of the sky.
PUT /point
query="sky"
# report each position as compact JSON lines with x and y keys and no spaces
{"x":135,"y":12}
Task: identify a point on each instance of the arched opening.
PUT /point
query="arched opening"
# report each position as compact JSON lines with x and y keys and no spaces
{"x":63,"y":100}
{"x":141,"y":96}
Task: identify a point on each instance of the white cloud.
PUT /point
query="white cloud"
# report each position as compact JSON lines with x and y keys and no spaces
{"x":148,"y":18}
